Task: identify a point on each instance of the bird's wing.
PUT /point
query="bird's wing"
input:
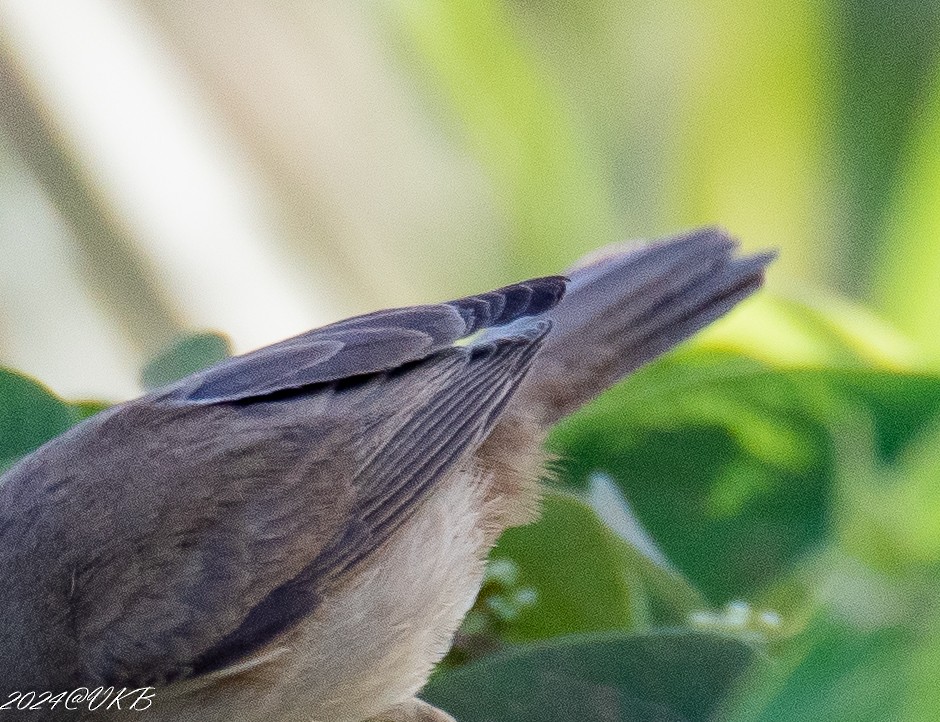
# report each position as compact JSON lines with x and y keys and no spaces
{"x":368,"y":344}
{"x":231,"y":501}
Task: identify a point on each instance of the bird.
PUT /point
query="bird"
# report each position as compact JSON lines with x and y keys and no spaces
{"x":296,"y":533}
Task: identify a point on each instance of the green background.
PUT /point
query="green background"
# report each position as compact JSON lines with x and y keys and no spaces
{"x":747,"y":529}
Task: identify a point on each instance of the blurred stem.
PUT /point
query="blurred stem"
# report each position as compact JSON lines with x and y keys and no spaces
{"x":882,"y":78}
{"x":211,"y":39}
{"x":753,"y":145}
{"x":114,"y":274}
{"x":909,"y":283}
{"x":519,"y":125}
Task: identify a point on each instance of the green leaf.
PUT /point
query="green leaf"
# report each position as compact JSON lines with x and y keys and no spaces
{"x":730,"y":465}
{"x":30,"y":415}
{"x":188,"y":355}
{"x":890,"y":514}
{"x":818,"y":331}
{"x":869,"y":650}
{"x":663,"y":676}
{"x":836,"y":671}
{"x":923,"y":666}
{"x":719,"y":462}
{"x":672,"y":598}
{"x":585,"y":565}
{"x":87,"y":409}
{"x":576,"y":566}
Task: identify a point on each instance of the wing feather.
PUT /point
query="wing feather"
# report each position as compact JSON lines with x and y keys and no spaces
{"x":367,"y":344}
{"x":287,"y":470}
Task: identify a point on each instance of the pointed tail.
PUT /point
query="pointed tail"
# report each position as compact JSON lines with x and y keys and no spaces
{"x":626,"y":305}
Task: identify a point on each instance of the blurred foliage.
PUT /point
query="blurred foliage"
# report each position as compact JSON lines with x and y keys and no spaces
{"x":518,"y":123}
{"x":31,"y":415}
{"x":185,"y":356}
{"x":575,"y":566}
{"x":506,"y":136}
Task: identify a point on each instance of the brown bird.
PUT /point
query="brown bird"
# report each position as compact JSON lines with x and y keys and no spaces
{"x":296,"y":533}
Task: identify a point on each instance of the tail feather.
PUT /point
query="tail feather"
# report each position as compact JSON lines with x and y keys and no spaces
{"x":627,"y":305}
